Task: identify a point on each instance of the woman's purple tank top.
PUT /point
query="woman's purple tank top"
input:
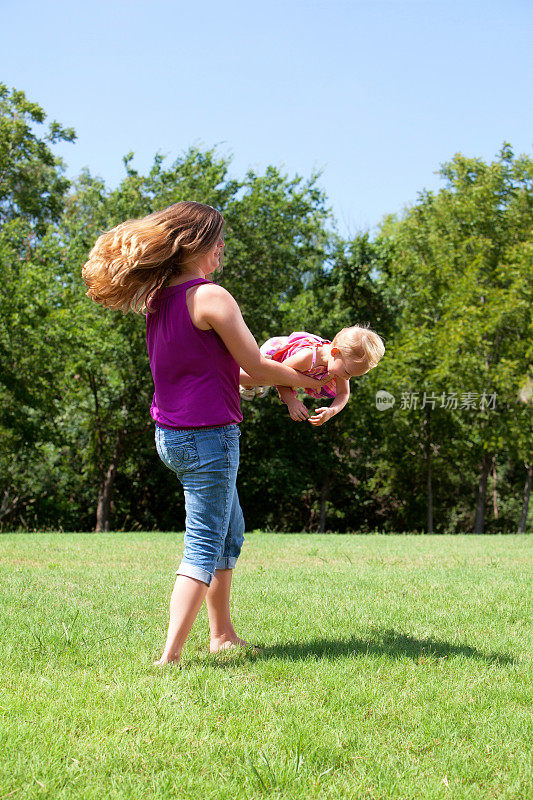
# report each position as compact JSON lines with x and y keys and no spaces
{"x":196,"y":379}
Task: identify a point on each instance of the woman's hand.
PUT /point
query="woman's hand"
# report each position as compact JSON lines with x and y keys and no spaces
{"x":321,"y":415}
{"x":297,"y":410}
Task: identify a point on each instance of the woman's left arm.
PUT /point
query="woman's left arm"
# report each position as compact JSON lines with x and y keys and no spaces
{"x":214,"y":307}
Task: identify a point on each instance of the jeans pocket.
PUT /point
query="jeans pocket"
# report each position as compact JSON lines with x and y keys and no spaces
{"x":177,"y":450}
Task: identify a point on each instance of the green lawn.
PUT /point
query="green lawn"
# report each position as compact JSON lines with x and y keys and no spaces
{"x":393,"y":667}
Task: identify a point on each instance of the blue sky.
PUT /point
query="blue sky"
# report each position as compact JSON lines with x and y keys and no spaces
{"x":374,"y":94}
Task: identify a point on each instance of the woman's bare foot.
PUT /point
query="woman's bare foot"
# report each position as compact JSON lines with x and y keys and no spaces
{"x":164,"y":662}
{"x":225,"y":643}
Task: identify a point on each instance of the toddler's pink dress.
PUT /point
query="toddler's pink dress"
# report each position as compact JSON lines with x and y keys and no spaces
{"x":281,"y":347}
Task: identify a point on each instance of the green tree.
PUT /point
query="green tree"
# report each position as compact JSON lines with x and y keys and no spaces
{"x":276,"y":239}
{"x":32,"y":181}
{"x":463,"y":270}
{"x":32,"y":195}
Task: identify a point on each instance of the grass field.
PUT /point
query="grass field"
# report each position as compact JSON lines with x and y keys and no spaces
{"x":393,"y":667}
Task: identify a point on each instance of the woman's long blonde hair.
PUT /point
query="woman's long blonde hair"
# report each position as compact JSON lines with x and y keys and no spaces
{"x":130,"y":263}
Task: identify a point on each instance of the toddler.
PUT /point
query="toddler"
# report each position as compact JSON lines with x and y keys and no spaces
{"x":353,"y":352}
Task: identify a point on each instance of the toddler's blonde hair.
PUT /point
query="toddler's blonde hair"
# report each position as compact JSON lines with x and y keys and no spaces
{"x":361,"y":344}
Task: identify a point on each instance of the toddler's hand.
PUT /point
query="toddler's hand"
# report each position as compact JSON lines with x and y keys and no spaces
{"x":320,"y":416}
{"x":298,"y":412}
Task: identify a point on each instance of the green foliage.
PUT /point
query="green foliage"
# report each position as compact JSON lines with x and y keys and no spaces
{"x":447,"y":286}
{"x":32,"y":185}
{"x":275,"y":241}
{"x":32,"y":193}
{"x":462,"y":273}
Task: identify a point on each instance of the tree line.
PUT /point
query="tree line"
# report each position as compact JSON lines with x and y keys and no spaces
{"x":437,"y":438}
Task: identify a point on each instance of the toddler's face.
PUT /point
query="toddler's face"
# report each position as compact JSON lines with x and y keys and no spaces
{"x":341,"y":367}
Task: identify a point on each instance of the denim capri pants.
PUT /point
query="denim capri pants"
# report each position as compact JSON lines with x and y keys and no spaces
{"x":206,"y":461}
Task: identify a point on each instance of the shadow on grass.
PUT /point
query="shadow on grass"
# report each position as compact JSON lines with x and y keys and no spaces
{"x":386,"y":642}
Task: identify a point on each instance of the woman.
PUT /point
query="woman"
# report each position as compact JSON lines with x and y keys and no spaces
{"x":197,"y":341}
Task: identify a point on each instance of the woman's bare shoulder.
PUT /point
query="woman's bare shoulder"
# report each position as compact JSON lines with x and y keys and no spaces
{"x":209,"y":302}
{"x":212,"y":291}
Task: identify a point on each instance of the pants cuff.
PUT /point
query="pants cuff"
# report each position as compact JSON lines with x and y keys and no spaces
{"x":226,"y":563}
{"x":192,"y":571}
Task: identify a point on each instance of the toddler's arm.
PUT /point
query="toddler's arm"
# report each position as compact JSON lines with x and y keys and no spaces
{"x":297,"y":410}
{"x":322,"y":415}
{"x":300,"y":361}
